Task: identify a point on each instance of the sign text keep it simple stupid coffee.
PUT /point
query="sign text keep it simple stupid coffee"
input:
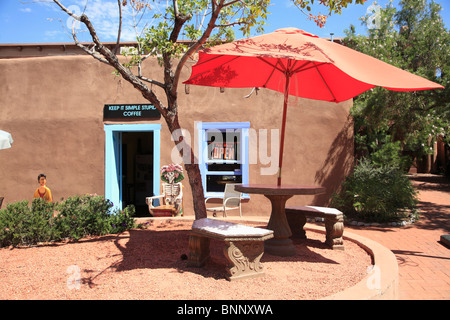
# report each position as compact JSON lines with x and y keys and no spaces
{"x":130,"y":112}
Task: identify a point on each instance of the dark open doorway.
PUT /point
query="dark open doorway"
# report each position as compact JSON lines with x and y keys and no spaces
{"x":137,"y":170}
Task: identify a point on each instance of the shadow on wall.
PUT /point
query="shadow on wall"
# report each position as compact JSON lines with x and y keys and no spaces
{"x":337,"y":165}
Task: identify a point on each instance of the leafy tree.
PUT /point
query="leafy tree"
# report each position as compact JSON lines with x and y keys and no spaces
{"x":413,"y":38}
{"x":333,"y":6}
{"x":197,"y":20}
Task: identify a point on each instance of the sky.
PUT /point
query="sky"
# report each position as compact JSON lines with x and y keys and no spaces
{"x":31,"y":21}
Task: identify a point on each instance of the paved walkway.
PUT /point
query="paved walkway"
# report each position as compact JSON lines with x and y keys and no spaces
{"x":424,"y":263}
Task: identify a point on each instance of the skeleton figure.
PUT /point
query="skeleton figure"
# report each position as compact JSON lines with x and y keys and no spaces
{"x":171,"y":175}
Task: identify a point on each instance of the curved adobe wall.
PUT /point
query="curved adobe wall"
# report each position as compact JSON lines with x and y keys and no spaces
{"x":381,"y":283}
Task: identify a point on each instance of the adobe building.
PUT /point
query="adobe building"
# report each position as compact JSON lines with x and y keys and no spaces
{"x":91,"y":132}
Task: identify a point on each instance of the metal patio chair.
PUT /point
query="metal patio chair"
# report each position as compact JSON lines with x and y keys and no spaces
{"x":231,"y":200}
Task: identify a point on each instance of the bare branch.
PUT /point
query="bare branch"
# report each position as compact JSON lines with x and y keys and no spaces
{"x":180,"y":19}
{"x":175,"y":8}
{"x":203,"y":19}
{"x":112,"y":59}
{"x":91,"y":52}
{"x":63,"y":8}
{"x":116,"y":48}
{"x":232,"y":2}
{"x":159,"y":84}
{"x":229,"y":24}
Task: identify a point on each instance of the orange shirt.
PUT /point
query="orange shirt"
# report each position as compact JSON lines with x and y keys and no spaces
{"x":47,"y":195}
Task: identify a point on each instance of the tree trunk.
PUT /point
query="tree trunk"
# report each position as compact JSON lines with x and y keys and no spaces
{"x":198,"y":198}
{"x":170,"y":114}
{"x":192,"y":169}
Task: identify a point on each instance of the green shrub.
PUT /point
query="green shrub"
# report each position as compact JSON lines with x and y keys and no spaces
{"x":22,"y":224}
{"x":81,"y":216}
{"x":376,"y":193}
{"x":75,"y":218}
{"x":122,"y":220}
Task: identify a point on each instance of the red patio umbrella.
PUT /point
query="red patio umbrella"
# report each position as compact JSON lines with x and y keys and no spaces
{"x":298,"y":63}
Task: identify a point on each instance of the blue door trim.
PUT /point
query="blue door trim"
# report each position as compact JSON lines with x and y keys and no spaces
{"x":113,"y":154}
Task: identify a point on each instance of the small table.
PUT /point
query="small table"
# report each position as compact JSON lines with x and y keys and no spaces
{"x":280,"y":244}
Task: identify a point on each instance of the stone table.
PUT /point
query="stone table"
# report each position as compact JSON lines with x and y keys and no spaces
{"x":280,"y":244}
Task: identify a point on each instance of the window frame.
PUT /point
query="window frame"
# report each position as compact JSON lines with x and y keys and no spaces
{"x":202,"y":128}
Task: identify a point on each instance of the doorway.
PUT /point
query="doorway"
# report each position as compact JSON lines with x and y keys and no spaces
{"x":137,"y":170}
{"x":132,"y":153}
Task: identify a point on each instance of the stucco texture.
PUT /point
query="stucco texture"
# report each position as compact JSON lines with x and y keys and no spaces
{"x":53,"y":107}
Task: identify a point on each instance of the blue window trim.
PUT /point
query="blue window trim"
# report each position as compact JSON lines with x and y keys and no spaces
{"x":202,"y":127}
{"x":113,"y":154}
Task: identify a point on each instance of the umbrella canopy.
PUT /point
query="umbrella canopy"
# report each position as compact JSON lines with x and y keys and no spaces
{"x":5,"y":140}
{"x":298,"y":63}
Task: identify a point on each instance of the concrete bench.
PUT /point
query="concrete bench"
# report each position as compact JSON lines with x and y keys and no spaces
{"x":334,"y":223}
{"x":244,"y":246}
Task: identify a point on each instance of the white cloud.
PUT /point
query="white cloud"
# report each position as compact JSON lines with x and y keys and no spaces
{"x":104,"y":15}
{"x":27,"y":10}
{"x":52,"y":34}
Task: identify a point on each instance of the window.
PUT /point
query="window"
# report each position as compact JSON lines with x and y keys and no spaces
{"x":225,"y":155}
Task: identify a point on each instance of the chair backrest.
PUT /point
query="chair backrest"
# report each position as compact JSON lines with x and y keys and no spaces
{"x":230,"y":192}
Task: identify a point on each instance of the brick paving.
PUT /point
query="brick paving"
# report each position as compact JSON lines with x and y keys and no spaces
{"x":424,"y":263}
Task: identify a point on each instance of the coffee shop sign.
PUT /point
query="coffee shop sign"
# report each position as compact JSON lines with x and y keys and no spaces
{"x":130,"y":111}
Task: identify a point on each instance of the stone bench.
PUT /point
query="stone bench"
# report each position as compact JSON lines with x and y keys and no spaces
{"x":244,"y":246}
{"x":334,"y":223}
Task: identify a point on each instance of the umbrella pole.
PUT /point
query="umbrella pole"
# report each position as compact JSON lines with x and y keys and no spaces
{"x":283,"y":128}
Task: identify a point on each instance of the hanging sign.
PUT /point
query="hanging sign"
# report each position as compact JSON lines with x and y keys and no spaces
{"x":223,"y":145}
{"x":223,"y":151}
{"x":130,"y":112}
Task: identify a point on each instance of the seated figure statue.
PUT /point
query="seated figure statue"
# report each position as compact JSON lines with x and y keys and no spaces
{"x":172,"y":189}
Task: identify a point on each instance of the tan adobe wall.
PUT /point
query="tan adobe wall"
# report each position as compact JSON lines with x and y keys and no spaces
{"x":53,"y":106}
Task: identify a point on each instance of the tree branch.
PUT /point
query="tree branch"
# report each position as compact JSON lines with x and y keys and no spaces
{"x":228,"y":25}
{"x":116,"y":48}
{"x":231,"y":3}
{"x":87,"y":50}
{"x":112,"y":59}
{"x":180,"y":19}
{"x":159,"y":84}
{"x":67,"y":10}
{"x":211,"y":24}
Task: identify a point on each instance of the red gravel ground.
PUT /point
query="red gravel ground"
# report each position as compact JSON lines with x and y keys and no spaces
{"x":148,"y":264}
